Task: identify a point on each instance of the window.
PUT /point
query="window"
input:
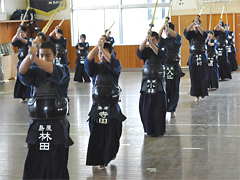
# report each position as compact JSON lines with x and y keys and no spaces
{"x":1,"y":6}
{"x":94,"y":26}
{"x":93,"y":3}
{"x":127,"y":2}
{"x":136,"y":24}
{"x":132,"y":19}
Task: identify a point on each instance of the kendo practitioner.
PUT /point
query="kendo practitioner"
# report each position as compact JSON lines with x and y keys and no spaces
{"x":224,"y":65}
{"x":231,"y":49}
{"x":109,"y":39}
{"x":105,"y":116}
{"x":152,"y":103}
{"x":197,"y":60}
{"x":213,"y":75}
{"x":48,"y":134}
{"x":61,"y":44}
{"x":172,"y":42}
{"x":82,"y":52}
{"x":21,"y":41}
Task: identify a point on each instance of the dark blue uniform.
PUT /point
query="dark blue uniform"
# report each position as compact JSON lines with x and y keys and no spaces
{"x":173,"y":70}
{"x":48,"y":139}
{"x":104,"y":138}
{"x":61,"y":49}
{"x":224,"y":65}
{"x":197,"y":63}
{"x":213,"y":75}
{"x":231,"y":50}
{"x":20,"y":90}
{"x":153,"y":106}
{"x":80,"y":72}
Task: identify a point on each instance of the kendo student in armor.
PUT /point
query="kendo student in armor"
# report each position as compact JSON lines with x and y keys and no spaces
{"x":21,"y":41}
{"x":172,"y":42}
{"x":213,"y":75}
{"x":48,"y":134}
{"x":109,"y":39}
{"x":197,"y":61}
{"x":82,"y":52}
{"x":224,"y":65}
{"x":105,"y":116}
{"x":231,"y":49}
{"x":61,"y":44}
{"x":153,"y":102}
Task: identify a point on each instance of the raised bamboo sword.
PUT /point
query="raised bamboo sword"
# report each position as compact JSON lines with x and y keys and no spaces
{"x":169,"y":10}
{"x":222,"y":12}
{"x":109,"y":28}
{"x":58,"y":26}
{"x":152,"y":25}
{"x":24,"y":17}
{"x":42,"y":34}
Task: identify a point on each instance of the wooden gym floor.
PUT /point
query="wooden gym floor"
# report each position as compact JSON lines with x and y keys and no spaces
{"x":201,"y":143}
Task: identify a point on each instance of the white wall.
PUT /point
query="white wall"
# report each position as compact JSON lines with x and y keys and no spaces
{"x":12,"y":5}
{"x":233,"y":7}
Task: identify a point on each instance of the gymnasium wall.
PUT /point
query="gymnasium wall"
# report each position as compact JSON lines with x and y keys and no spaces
{"x":127,"y":53}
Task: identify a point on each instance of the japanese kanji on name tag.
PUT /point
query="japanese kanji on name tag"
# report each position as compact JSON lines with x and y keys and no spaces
{"x":44,"y":137}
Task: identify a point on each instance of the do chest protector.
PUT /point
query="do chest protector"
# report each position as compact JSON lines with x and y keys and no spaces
{"x":221,"y":40}
{"x":173,"y":56}
{"x":153,"y":73}
{"x":61,"y":51}
{"x":152,"y":68}
{"x":46,"y":103}
{"x":210,"y":49}
{"x":105,"y":91}
{"x":197,"y":46}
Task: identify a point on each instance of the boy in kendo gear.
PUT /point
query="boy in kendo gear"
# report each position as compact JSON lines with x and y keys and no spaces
{"x":48,"y":134}
{"x":153,"y":103}
{"x":172,"y":42}
{"x":21,"y":41}
{"x":197,"y":61}
{"x":224,"y":66}
{"x":82,"y":51}
{"x":105,"y":116}
{"x":61,"y":44}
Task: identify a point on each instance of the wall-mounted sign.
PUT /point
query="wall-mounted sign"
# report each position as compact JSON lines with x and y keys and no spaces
{"x":45,"y":7}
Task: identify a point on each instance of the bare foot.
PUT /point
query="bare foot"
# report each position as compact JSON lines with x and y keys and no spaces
{"x":102,"y":167}
{"x":173,"y":115}
{"x":23,"y":101}
{"x":197,"y":99}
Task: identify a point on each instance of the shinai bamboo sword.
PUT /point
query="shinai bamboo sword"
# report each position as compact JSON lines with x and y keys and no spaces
{"x":24,"y":17}
{"x":152,"y":25}
{"x":109,"y":28}
{"x":42,"y":34}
